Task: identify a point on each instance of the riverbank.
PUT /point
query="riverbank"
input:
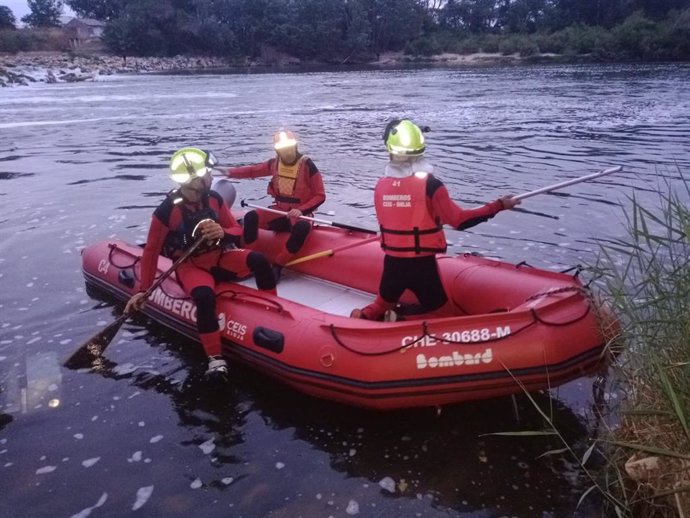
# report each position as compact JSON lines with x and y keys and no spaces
{"x":24,"y":68}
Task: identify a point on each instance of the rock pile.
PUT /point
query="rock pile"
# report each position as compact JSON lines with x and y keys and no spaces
{"x":29,"y":67}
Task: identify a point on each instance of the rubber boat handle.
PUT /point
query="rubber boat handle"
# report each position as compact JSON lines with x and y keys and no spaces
{"x":560,"y":185}
{"x":314,"y":220}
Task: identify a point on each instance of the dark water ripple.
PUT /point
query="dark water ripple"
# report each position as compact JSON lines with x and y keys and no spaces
{"x":84,"y":162}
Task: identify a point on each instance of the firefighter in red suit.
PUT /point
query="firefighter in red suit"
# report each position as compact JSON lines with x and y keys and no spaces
{"x":297,"y":188}
{"x":190,"y":211}
{"x":412,"y":205}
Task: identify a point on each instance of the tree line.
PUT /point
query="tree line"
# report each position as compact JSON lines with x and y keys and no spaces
{"x":342,"y":30}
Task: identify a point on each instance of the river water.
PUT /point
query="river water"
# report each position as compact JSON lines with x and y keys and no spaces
{"x":146,"y":436}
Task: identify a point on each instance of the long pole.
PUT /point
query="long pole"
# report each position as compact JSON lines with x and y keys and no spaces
{"x":560,"y":185}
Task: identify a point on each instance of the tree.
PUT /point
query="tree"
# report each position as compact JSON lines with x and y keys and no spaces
{"x":475,"y":16}
{"x":522,"y":15}
{"x":395,"y":22}
{"x":606,"y":13}
{"x":7,"y":19}
{"x":44,"y":13}
{"x":357,"y":27}
{"x":103,"y":10}
{"x":311,"y":29}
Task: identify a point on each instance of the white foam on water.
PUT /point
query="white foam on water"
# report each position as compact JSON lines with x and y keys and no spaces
{"x":352,"y":508}
{"x":388,"y":484}
{"x":90,"y":462}
{"x":196,"y":484}
{"x":207,"y":446}
{"x":86,"y":512}
{"x":136,"y":457}
{"x":45,"y":469}
{"x":155,"y":439}
{"x":125,"y":368}
{"x":143,"y":495}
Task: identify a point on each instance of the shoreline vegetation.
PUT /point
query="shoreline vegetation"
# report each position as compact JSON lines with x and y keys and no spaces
{"x":275,"y":35}
{"x":647,"y":280}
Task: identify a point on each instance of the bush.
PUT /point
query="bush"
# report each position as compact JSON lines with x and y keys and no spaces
{"x":584,"y":39}
{"x":490,"y":43}
{"x":552,"y":43}
{"x":426,"y":46}
{"x":522,"y":44}
{"x":26,"y":40}
{"x":463,"y":45}
{"x":639,"y":37}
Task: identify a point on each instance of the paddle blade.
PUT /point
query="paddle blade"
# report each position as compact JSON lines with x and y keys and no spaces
{"x":91,"y":350}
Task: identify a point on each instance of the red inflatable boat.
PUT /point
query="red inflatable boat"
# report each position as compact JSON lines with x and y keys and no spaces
{"x":516,"y":326}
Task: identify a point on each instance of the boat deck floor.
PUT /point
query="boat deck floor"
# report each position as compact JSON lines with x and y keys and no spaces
{"x":325,"y":296}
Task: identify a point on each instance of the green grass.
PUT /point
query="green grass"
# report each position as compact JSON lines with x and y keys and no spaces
{"x":647,"y":280}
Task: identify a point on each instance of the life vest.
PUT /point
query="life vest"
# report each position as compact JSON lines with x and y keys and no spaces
{"x":290,"y":184}
{"x":407,"y":227}
{"x":183,"y":223}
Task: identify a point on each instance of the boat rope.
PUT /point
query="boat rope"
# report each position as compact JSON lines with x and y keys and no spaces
{"x":523,"y":263}
{"x":536,"y":318}
{"x":255,"y":298}
{"x":425,"y":334}
{"x":113,"y":248}
{"x":582,"y":290}
{"x":130,"y":266}
{"x":578,"y":289}
{"x":371,"y":353}
{"x":578,"y":268}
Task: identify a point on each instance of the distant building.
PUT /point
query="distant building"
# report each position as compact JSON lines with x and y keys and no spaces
{"x":83,"y":31}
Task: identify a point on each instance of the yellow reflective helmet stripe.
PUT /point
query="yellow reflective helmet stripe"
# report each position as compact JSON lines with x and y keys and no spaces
{"x":188,"y":163}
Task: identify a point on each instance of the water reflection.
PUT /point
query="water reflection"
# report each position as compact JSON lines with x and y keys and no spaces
{"x":446,"y":458}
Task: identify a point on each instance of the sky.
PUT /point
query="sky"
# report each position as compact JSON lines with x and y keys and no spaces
{"x":21,"y":8}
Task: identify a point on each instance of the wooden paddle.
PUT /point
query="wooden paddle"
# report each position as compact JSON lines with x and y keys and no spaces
{"x":331,"y":251}
{"x":307,"y":218}
{"x":96,"y":345}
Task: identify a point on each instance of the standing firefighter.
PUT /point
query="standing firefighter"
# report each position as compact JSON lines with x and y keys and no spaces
{"x":412,"y":205}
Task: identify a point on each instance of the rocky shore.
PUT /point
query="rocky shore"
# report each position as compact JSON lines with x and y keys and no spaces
{"x":24,"y":68}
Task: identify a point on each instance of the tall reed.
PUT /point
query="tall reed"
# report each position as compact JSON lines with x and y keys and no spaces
{"x":646,"y":276}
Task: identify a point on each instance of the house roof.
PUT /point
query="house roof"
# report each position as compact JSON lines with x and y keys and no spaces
{"x":90,"y":22}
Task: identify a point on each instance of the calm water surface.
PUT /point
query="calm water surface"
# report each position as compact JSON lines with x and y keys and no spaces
{"x":146,"y":436}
